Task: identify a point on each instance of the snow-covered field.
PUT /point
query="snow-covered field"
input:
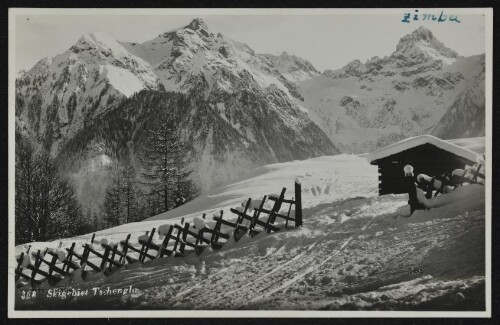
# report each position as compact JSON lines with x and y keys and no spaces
{"x":355,"y":251}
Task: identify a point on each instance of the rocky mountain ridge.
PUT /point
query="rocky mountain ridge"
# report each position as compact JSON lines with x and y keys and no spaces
{"x":242,"y":109}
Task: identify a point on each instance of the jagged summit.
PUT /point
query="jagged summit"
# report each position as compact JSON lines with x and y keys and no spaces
{"x":100,"y":43}
{"x":422,"y":41}
{"x":97,"y":39}
{"x":417,"y":52}
{"x":422,"y":33}
{"x":197,"y":24}
{"x":284,"y":55}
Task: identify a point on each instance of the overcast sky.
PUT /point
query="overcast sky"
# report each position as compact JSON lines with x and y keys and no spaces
{"x":328,"y":41}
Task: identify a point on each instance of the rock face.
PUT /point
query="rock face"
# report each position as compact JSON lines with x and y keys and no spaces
{"x":293,"y":68}
{"x":239,"y":110}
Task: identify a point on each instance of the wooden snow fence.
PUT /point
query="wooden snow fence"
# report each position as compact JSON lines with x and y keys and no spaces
{"x":178,"y":241}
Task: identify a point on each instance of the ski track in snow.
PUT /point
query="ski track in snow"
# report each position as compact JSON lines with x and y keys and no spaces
{"x":281,"y":272}
{"x":308,"y":270}
{"x":245,"y":282}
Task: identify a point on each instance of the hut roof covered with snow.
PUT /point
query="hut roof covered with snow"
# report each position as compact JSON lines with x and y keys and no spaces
{"x":427,"y":154}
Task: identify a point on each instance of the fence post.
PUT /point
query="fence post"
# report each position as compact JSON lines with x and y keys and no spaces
{"x":52,"y":264}
{"x":123,"y":258}
{"x":104,"y":257}
{"x":256,"y":215}
{"x":66,"y":262}
{"x":85,"y":257}
{"x":218,"y":226}
{"x":177,"y":240}
{"x":150,"y":240}
{"x":288,"y":215}
{"x":164,"y":245}
{"x":275,"y":210}
{"x":113,"y":254}
{"x":184,"y":237}
{"x":38,"y":262}
{"x":298,"y":204}
{"x":19,"y":268}
{"x":142,"y":248}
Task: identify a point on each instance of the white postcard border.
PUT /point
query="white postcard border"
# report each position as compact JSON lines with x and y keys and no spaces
{"x":12,"y":313}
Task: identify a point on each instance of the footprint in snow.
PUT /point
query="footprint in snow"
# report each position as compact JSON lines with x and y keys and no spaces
{"x":318,"y":190}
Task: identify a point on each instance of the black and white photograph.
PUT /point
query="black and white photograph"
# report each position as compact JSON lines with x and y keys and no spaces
{"x":250,"y":162}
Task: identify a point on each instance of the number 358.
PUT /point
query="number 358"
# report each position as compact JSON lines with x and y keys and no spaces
{"x":28,"y":294}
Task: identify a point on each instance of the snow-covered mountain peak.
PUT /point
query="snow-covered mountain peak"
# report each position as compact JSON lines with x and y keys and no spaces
{"x":422,"y":45}
{"x":103,"y":46}
{"x":416,"y":53}
{"x":420,"y":33}
{"x":99,"y":41}
{"x":78,"y":84}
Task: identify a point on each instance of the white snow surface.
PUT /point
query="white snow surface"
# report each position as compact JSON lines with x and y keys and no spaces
{"x":354,"y":251}
{"x":122,"y":80}
{"x":199,"y":223}
{"x":469,"y":192}
{"x":474,"y":144}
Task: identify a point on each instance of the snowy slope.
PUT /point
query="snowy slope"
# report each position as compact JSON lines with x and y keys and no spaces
{"x":324,"y":179}
{"x":355,"y":250}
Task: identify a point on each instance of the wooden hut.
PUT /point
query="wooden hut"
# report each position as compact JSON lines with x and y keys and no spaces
{"x":427,"y":154}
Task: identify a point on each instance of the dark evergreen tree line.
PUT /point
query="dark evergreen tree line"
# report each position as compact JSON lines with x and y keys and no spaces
{"x":46,"y":207}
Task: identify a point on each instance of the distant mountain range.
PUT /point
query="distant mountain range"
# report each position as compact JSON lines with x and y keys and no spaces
{"x":241,"y":109}
{"x":421,"y":88}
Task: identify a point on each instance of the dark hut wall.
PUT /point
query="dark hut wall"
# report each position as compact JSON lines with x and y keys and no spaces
{"x":425,"y":159}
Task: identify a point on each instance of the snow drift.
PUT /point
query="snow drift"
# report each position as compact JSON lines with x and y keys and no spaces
{"x":354,"y":251}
